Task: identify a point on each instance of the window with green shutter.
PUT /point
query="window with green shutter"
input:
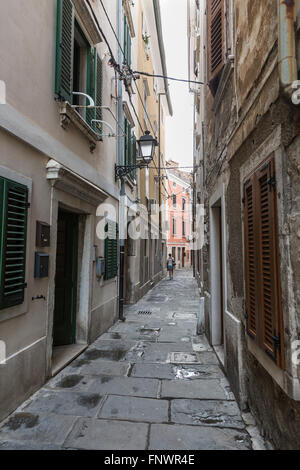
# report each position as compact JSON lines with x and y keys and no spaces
{"x":64,"y":50}
{"x":129,"y":147}
{"x":13,"y":230}
{"x":94,"y":89}
{"x":127,"y":42}
{"x":78,"y":66}
{"x":111,"y":250}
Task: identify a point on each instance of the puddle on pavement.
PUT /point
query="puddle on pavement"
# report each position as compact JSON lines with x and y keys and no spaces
{"x":89,"y":401}
{"x":94,"y":354}
{"x":22,"y":419}
{"x":69,"y":381}
{"x":115,"y":336}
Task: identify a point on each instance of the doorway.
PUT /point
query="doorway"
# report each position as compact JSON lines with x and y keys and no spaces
{"x":183,"y":257}
{"x":217,"y":280}
{"x":64,"y":323}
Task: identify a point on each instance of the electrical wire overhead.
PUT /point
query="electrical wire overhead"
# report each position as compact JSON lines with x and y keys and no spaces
{"x":168,"y":78}
{"x":113,"y":63}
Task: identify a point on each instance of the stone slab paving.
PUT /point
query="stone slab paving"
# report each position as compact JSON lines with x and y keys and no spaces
{"x":96,"y":434}
{"x":135,"y":409}
{"x":147,"y":383}
{"x":174,"y":437}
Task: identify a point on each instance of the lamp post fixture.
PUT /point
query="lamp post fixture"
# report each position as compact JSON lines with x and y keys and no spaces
{"x":146,"y":146}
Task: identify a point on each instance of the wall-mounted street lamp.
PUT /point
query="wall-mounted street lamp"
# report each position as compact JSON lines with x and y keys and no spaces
{"x":146,"y":146}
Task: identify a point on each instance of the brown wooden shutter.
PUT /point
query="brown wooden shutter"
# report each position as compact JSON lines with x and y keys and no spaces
{"x":250,"y":258}
{"x":216,"y":37}
{"x":270,"y":296}
{"x":263,"y":292}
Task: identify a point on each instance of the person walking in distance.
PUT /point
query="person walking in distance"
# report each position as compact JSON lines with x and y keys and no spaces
{"x":170,"y":266}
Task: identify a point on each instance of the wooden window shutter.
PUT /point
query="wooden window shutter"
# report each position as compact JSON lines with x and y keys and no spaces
{"x":91,"y":86}
{"x":250,"y":258}
{"x":111,"y":250}
{"x":126,"y":141}
{"x":128,"y":47}
{"x":263,"y":292}
{"x":127,"y":42}
{"x":270,"y":296}
{"x":216,"y":38}
{"x":134,"y":155}
{"x":99,"y":85}
{"x":94,"y":89}
{"x":13,"y":225}
{"x":64,"y":50}
{"x":129,"y":148}
{"x":125,"y":38}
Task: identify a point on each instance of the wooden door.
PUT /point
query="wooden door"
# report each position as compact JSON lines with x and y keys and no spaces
{"x":64,"y":327}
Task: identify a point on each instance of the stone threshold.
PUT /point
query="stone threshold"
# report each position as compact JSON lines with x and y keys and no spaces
{"x":63,"y":355}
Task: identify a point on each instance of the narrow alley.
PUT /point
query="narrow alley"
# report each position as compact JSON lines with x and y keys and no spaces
{"x":148,"y":383}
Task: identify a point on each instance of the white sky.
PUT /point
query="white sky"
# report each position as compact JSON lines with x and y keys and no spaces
{"x":179,"y":128}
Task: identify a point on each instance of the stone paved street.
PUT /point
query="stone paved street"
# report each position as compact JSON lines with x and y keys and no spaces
{"x":148,"y":383}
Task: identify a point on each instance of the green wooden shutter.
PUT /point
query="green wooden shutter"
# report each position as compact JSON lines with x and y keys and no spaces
{"x":91,"y":85}
{"x":134,"y":155}
{"x":128,"y":47}
{"x":98,"y":88}
{"x":125,"y":141}
{"x":64,"y":50}
{"x":125,"y":44}
{"x":129,"y":148}
{"x":111,"y":250}
{"x":13,"y":225}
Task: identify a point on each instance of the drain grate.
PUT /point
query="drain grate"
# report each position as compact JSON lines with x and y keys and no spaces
{"x":144,"y":312}
{"x":182,"y":358}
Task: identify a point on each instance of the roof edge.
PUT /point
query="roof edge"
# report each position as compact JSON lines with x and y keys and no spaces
{"x":158,"y":23}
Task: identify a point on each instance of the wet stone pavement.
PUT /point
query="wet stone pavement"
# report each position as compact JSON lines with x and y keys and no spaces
{"x":148,"y":383}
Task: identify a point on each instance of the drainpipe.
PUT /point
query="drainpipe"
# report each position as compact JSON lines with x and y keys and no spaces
{"x":287,"y":43}
{"x":120,"y":162}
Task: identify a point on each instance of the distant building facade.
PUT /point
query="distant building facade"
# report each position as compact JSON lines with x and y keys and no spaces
{"x":179,"y":215}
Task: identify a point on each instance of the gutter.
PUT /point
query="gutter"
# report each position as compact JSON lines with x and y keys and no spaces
{"x":287,"y":43}
{"x":157,"y":15}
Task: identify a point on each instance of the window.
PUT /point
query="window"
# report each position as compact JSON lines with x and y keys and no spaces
{"x":13,"y":230}
{"x":127,"y":42}
{"x":183,"y":228}
{"x":183,"y":204}
{"x":174,"y":226}
{"x":111,"y":250}
{"x":78,"y":66}
{"x":216,"y":41}
{"x":174,"y":200}
{"x":130,"y":151}
{"x":263,"y":298}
